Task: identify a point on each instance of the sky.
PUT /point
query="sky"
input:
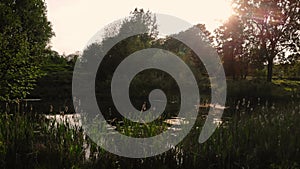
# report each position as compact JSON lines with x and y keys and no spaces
{"x":75,"y":22}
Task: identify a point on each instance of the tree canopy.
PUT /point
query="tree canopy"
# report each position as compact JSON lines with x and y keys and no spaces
{"x":262,"y":30}
{"x":24,"y":35}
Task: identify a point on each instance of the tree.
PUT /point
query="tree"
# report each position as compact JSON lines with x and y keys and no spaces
{"x":53,"y":62}
{"x":190,"y":58}
{"x":237,"y":48}
{"x":24,"y":34}
{"x":138,"y":21}
{"x":273,"y":25}
{"x":185,"y":52}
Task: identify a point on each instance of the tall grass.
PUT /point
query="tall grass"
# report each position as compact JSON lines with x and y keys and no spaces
{"x":29,"y":140}
{"x":261,"y":137}
{"x":252,"y":135}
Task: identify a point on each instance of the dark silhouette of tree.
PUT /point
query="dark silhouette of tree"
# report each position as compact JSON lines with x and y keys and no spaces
{"x":24,"y":34}
{"x":138,"y":21}
{"x":237,"y":49}
{"x":200,"y":39}
{"x":183,"y":51}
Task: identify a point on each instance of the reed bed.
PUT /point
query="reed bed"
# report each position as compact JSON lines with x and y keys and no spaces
{"x":253,"y":134}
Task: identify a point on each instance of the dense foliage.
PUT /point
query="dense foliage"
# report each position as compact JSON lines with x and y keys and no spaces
{"x":261,"y":32}
{"x":24,"y":34}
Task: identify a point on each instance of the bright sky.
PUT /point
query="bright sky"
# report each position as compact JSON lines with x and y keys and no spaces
{"x":76,"y":21}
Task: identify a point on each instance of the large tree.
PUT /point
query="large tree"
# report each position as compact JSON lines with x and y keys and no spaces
{"x":273,"y":26}
{"x":238,"y":49}
{"x":170,"y":43}
{"x":24,"y":34}
{"x":138,"y":21}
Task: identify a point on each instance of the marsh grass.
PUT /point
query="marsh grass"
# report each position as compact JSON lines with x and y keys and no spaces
{"x":253,"y":134}
{"x":29,"y":140}
{"x":265,"y":136}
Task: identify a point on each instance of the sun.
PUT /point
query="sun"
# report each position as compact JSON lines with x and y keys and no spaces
{"x":222,"y":9}
{"x":216,"y":12}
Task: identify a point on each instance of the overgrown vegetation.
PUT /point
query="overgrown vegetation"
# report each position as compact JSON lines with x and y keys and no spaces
{"x":24,"y":34}
{"x":253,"y":134}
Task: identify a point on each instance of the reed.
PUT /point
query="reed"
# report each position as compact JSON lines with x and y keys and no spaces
{"x":253,"y":134}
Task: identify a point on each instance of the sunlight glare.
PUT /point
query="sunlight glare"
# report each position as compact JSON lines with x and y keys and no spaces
{"x":220,"y":10}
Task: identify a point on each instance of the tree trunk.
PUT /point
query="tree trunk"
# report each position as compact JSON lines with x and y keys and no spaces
{"x":270,"y":70}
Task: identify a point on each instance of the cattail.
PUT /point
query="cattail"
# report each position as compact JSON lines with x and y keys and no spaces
{"x":66,"y":109}
{"x":248,"y":105}
{"x":144,"y":107}
{"x":51,"y":109}
{"x":273,"y":106}
{"x":237,"y":105}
